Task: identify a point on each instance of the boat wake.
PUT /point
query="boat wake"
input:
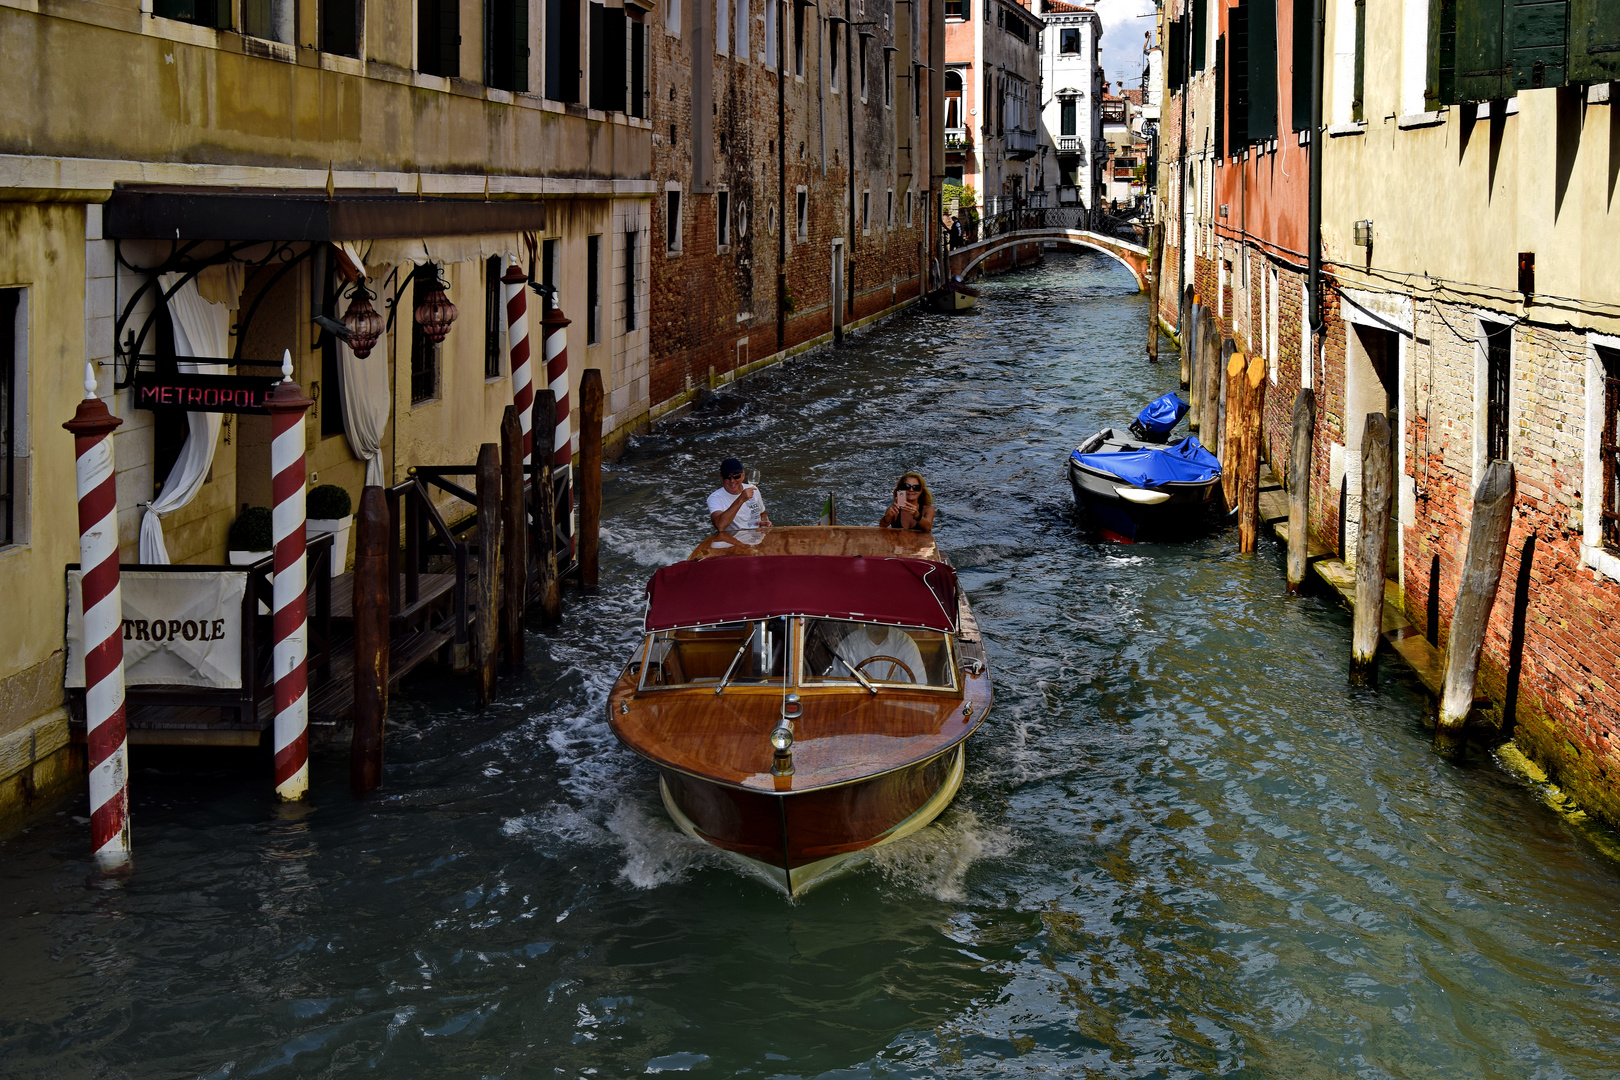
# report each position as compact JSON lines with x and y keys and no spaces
{"x":655,"y":852}
{"x":936,"y":860}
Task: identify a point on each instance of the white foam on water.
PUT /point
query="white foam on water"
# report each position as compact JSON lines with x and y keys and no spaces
{"x":936,"y":860}
{"x":655,"y":851}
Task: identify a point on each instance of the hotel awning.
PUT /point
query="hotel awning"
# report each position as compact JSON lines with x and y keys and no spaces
{"x":199,"y":213}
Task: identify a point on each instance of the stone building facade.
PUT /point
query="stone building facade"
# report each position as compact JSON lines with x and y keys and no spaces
{"x":795,"y":168}
{"x":993,"y":56}
{"x":1069,"y":172}
{"x":233,"y":157}
{"x":1487,"y":331}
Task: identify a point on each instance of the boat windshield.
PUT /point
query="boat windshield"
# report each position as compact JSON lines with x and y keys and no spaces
{"x":703,"y":656}
{"x":835,"y":650}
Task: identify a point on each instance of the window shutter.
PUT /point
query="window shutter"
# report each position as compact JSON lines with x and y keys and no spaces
{"x":1304,"y":28}
{"x":519,"y":74}
{"x":449,"y":38}
{"x":1540,"y":35}
{"x":1176,"y":77}
{"x":1440,"y":85}
{"x":1237,"y":74}
{"x":1262,"y":69}
{"x":1482,"y":66}
{"x":1200,"y":19}
{"x":1594,"y":41}
{"x":1220,"y":96}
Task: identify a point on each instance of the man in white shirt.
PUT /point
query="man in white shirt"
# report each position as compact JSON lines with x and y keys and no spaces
{"x":735,"y":506}
{"x":893,"y":655}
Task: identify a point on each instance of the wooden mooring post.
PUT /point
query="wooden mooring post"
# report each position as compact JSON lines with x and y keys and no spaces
{"x":1372,"y":549}
{"x":1223,"y":437}
{"x":1183,"y":321}
{"x":373,"y":539}
{"x":1299,"y":488}
{"x":1476,"y":593}
{"x":547,"y":588}
{"x":590,"y":475}
{"x":514,"y":540}
{"x":1252,"y":389}
{"x":1191,"y":347}
{"x":486,"y":631}
{"x":1209,"y":366}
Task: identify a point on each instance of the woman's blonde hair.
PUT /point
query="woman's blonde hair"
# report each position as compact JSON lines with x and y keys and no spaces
{"x":925,"y":498}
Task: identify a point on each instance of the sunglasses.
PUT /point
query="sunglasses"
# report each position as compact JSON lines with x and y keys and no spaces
{"x":909,"y":487}
{"x":734,"y":476}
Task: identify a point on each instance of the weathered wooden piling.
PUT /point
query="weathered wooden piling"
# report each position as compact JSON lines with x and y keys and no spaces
{"x":486,"y":631}
{"x":1183,"y":323}
{"x":1217,"y":430}
{"x":1210,"y":368}
{"x":590,"y":474}
{"x":371,"y":632}
{"x":547,"y":588}
{"x":1191,"y":358}
{"x":1223,"y":438}
{"x":1155,"y":272}
{"x":514,"y":537}
{"x":1377,"y":491}
{"x":1253,"y":391}
{"x":1481,"y":575}
{"x":1299,"y":488}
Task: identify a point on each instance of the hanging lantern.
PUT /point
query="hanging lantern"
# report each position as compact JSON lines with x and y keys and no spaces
{"x":435,"y":313}
{"x":365,"y":326}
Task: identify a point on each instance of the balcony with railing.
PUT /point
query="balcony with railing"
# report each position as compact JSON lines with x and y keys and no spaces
{"x":958,"y":139}
{"x":1021,"y":144}
{"x":1070,"y":144}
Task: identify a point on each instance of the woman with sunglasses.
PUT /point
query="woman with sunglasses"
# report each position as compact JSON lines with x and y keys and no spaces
{"x":913,"y":506}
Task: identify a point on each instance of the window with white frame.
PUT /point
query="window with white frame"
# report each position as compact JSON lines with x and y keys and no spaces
{"x":672,"y":17}
{"x":798,"y":38}
{"x":722,"y":219}
{"x":1497,"y":342}
{"x":742,"y":35}
{"x":1603,"y":455}
{"x":802,"y":201}
{"x":770,"y":32}
{"x":866,"y":210}
{"x":862,"y":54}
{"x":832,"y":56}
{"x":722,"y":27}
{"x":889,"y":217}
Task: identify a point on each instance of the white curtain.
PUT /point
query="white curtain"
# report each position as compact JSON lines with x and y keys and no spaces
{"x":201,"y":328}
{"x":366,"y":402}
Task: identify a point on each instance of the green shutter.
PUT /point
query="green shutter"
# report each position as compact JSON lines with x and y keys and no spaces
{"x":1176,"y":76}
{"x":1262,"y":69}
{"x":1540,"y":33}
{"x":1220,"y":96}
{"x":1482,"y":62}
{"x":1237,"y":75}
{"x":1440,"y":83}
{"x":1594,"y":41}
{"x":1304,"y":29}
{"x":1200,"y":20}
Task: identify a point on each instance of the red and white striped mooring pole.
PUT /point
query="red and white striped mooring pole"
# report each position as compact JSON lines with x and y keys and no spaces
{"x":562,"y":450}
{"x":92,"y":427}
{"x":290,"y":651}
{"x":517,"y":339}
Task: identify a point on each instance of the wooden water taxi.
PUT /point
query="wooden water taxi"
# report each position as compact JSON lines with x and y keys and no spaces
{"x":806,"y":694}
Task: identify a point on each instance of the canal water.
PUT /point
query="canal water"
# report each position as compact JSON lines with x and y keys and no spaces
{"x":1184,"y":848}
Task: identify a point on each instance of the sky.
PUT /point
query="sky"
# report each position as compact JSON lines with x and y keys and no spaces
{"x":1122,"y":38}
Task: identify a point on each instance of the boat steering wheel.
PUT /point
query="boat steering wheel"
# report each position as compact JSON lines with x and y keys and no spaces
{"x":894,"y":663}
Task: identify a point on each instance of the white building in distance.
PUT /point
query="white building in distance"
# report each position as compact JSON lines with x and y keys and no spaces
{"x":1072,"y":151}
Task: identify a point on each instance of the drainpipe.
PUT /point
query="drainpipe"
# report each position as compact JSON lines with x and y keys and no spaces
{"x":1314,"y":227}
{"x":849,"y":116}
{"x":784,"y":12}
{"x":1181,"y":183}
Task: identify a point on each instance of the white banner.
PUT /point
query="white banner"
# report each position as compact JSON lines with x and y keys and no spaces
{"x":180,"y":629}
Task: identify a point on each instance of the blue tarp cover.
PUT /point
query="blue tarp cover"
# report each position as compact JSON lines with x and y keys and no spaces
{"x":1182,"y":462}
{"x":1162,"y":414}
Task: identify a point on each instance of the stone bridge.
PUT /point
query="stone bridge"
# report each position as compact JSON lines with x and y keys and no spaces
{"x":1011,"y":231}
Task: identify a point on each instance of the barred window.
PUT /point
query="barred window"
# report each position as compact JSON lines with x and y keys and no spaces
{"x":1609,"y":447}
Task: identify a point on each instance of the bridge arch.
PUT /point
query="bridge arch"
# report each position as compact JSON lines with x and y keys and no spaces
{"x":1130,"y":256}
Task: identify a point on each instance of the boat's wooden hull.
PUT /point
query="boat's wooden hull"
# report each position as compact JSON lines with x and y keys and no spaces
{"x":797,"y":840}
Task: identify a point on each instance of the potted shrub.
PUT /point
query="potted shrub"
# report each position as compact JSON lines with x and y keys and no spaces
{"x":328,"y":508}
{"x":250,"y":537}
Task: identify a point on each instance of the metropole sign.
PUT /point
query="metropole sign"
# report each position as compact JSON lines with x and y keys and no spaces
{"x":203,"y":393}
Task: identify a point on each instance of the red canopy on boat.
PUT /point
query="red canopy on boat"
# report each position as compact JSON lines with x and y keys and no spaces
{"x":899,"y":592}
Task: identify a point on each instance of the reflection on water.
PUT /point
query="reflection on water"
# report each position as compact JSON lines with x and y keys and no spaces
{"x":1183,"y":847}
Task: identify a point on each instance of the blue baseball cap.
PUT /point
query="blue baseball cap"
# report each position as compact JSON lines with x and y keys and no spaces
{"x":729,"y":466}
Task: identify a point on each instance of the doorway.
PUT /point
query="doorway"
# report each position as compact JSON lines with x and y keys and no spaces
{"x":1372,"y":385}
